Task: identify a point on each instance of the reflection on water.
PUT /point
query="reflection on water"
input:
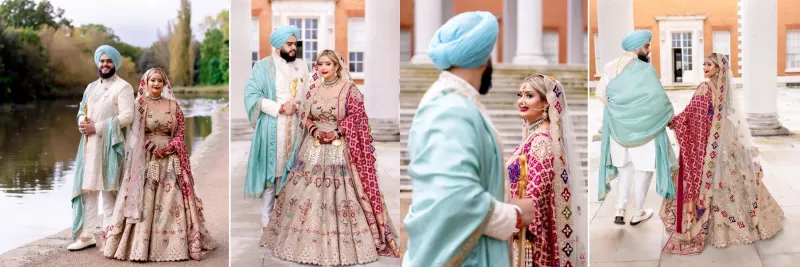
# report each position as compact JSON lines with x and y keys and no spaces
{"x":38,"y":143}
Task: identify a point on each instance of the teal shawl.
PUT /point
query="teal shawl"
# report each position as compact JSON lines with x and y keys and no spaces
{"x":263,"y":159}
{"x":638,"y":111}
{"x":457,"y":173}
{"x":113,"y":140}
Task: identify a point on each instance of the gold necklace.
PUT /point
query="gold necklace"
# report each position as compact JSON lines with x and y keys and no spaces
{"x":155,"y":100}
{"x":329,"y":84}
{"x":533,"y":126}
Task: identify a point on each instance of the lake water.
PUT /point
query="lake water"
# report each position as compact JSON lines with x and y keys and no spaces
{"x":38,"y":144}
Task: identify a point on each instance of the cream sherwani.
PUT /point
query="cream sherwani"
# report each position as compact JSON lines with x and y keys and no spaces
{"x":289,"y":77}
{"x":107,"y":98}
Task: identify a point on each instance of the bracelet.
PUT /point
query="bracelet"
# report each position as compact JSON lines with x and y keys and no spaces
{"x":150,"y":146}
{"x":519,"y":219}
{"x":280,"y":111}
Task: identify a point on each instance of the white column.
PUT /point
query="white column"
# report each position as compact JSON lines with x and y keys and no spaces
{"x":760,"y":75}
{"x":529,"y":33}
{"x":322,"y":32}
{"x":614,"y":21}
{"x":427,"y":18}
{"x":575,"y":33}
{"x":382,"y":68}
{"x":239,"y":56}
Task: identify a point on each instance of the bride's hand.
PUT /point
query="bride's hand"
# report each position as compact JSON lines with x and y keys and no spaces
{"x":159,"y":153}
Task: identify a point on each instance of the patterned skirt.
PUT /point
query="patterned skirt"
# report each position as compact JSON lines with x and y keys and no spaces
{"x":161,"y":234}
{"x":318,"y":217}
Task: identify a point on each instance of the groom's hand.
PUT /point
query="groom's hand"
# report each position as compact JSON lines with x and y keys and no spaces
{"x":528,"y":210}
{"x":288,"y":108}
{"x":87,"y":127}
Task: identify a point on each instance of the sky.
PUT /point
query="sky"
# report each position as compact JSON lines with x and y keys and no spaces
{"x":137,"y":22}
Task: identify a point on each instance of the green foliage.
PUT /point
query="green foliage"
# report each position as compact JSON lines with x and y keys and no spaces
{"x":213,"y":60}
{"x":29,"y":14}
{"x":25,"y":75}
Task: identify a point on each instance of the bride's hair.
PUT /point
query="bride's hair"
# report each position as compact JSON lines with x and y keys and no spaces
{"x":332,"y":56}
{"x":537,"y":82}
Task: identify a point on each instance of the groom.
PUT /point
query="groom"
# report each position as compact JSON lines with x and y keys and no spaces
{"x":458,"y":214}
{"x":106,"y":108}
{"x":271,"y":97}
{"x":634,"y":144}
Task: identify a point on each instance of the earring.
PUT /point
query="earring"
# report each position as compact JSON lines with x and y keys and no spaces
{"x":544,"y":114}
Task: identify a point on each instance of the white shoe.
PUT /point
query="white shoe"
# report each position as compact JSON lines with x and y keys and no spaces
{"x":641,"y":215}
{"x":620,"y":217}
{"x":80,"y":244}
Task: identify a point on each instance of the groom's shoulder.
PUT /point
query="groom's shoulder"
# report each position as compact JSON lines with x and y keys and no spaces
{"x":449,"y":105}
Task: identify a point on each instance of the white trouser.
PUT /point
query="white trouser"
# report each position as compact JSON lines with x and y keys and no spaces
{"x":90,"y":203}
{"x":267,"y":201}
{"x":641,"y":179}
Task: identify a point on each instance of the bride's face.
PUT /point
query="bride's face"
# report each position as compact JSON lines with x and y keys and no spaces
{"x":327,"y":68}
{"x":155,"y":84}
{"x":530,"y":103}
{"x":709,"y":68}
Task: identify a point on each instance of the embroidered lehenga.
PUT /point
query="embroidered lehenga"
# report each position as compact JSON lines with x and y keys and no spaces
{"x":546,"y":161}
{"x":158,"y":216}
{"x":720,"y":196}
{"x":329,"y":210}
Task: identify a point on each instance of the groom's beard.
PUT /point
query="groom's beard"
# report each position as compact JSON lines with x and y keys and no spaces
{"x":486,"y":80}
{"x":110,"y":73}
{"x":644,"y":58}
{"x":289,"y":58}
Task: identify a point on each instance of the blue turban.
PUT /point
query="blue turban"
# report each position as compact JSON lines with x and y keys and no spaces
{"x":465,"y":41}
{"x":281,"y":35}
{"x":111,"y":52}
{"x":636,"y":40}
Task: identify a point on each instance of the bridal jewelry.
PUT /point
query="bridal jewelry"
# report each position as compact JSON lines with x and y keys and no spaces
{"x":329,"y":84}
{"x":531,"y":127}
{"x":155,"y":100}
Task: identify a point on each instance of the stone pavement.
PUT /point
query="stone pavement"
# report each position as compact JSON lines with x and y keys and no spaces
{"x":246,"y":213}
{"x":211,"y":182}
{"x":625,"y":245}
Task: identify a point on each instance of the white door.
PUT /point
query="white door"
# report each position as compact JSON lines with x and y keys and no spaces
{"x":682,"y":67}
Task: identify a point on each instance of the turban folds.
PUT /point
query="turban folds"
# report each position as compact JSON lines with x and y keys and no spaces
{"x":636,"y":40}
{"x":464,"y":41}
{"x":111,"y":52}
{"x":282,"y":34}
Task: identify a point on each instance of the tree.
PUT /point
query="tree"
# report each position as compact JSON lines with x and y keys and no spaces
{"x":220,"y":22}
{"x":213,"y":65}
{"x":29,"y":14}
{"x":181,"y":48}
{"x":25,"y":75}
{"x":213,"y":57}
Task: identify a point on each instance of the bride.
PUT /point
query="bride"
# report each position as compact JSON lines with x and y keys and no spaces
{"x":720,"y":197}
{"x":329,"y":210}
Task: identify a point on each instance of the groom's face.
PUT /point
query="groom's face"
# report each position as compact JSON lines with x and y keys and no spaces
{"x":289,"y":49}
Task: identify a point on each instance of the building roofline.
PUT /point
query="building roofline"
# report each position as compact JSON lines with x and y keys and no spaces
{"x":682,"y":17}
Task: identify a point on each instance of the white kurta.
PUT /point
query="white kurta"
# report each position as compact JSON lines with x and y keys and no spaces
{"x":106,"y":99}
{"x":644,"y":156}
{"x":285,"y":74}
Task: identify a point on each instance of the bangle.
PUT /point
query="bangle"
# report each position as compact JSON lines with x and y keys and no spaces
{"x":519,"y":219}
{"x":280,"y":111}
